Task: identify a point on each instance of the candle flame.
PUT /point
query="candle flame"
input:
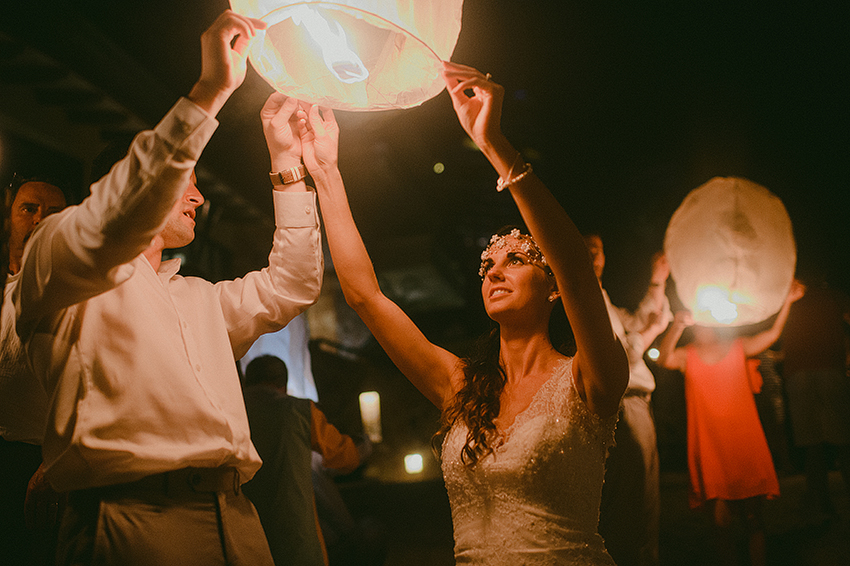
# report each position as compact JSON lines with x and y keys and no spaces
{"x":338,"y":56}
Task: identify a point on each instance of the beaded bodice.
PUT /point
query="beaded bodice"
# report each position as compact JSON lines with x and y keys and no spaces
{"x":535,"y":500}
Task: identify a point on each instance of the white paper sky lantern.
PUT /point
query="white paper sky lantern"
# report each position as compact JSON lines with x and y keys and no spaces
{"x":731,"y":251}
{"x":354,"y":54}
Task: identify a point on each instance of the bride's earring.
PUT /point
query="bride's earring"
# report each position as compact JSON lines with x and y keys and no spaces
{"x":553,"y":297}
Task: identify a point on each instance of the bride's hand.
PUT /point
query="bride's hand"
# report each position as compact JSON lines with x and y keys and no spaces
{"x":319,"y":133}
{"x":479,"y":114}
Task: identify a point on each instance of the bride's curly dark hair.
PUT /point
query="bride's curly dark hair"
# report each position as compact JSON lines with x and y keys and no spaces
{"x":478,"y":402}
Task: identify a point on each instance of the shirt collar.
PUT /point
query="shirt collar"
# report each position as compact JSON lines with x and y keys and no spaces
{"x":169,"y":268}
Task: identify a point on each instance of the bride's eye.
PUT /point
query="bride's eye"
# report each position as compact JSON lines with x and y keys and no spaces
{"x":516,"y":259}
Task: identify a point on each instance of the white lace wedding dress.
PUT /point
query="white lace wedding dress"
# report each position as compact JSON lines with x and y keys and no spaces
{"x":536,"y":499}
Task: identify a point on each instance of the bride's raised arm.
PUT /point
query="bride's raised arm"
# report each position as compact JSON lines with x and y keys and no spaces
{"x":601,"y":364}
{"x":433,"y":370}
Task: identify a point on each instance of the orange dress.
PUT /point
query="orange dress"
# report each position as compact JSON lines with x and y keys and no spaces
{"x":728,"y":456}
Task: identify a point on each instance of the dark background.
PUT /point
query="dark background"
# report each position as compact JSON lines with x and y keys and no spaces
{"x":621,"y":107}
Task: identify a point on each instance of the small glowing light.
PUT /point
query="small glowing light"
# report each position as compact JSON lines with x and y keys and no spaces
{"x":439,"y":168}
{"x":413,"y":463}
{"x":652,"y":353}
{"x":370,"y":413}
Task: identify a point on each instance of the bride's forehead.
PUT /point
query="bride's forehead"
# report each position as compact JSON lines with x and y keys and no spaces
{"x":508,"y":245}
{"x":512,"y":240}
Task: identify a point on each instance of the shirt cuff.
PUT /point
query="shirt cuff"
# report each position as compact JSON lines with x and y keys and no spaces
{"x":295,"y":209}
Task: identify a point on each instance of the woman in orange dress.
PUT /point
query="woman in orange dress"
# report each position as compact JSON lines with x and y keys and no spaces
{"x":729,"y":462}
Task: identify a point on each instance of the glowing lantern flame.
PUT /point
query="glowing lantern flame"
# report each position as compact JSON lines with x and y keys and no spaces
{"x":354,"y":54}
{"x":731,"y":251}
{"x":338,"y":56}
{"x":716,"y":301}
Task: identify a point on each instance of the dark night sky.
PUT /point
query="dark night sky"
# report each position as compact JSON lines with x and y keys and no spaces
{"x":622,"y":107}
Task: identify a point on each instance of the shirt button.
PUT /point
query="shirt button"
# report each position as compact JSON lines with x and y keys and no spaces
{"x":308,"y":209}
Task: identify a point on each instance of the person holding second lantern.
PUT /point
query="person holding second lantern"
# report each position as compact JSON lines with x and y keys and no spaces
{"x":729,"y":462}
{"x":527,"y":428}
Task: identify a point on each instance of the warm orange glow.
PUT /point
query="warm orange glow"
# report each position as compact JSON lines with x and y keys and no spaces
{"x":336,"y":53}
{"x":354,"y":54}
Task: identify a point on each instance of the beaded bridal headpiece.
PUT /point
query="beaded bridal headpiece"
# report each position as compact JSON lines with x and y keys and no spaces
{"x":517,"y":240}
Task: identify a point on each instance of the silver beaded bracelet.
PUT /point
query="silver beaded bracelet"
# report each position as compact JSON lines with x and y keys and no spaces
{"x":502,"y":183}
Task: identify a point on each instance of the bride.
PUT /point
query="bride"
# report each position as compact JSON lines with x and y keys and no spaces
{"x":527,"y":428}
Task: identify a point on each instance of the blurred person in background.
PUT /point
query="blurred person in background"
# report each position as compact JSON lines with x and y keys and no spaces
{"x":815,"y":356}
{"x":286,"y":431}
{"x":729,"y":462}
{"x":28,"y":522}
{"x":630,"y":510}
